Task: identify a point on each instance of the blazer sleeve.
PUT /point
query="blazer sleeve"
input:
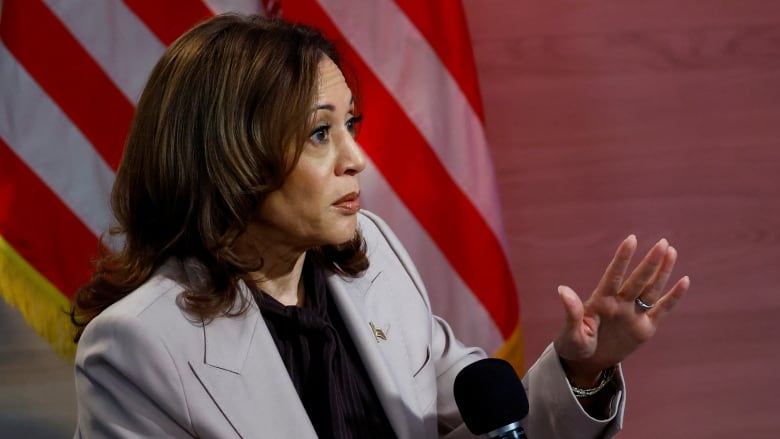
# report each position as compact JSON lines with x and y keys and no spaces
{"x":127,"y":384}
{"x":554,"y":410}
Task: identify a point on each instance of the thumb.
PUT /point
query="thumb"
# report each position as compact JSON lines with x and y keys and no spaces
{"x":573,"y":307}
{"x":569,"y":342}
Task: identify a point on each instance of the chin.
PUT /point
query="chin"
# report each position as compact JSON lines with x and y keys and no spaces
{"x":342,"y":233}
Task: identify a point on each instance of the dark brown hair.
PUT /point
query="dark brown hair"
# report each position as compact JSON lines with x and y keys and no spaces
{"x":220,"y":124}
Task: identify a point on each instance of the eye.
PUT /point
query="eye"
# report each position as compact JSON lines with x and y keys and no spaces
{"x":353,"y":125}
{"x":320,"y":135}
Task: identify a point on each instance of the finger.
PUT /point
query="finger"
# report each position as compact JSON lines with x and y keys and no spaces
{"x":577,"y":338}
{"x":613,"y":277}
{"x":573,"y":307}
{"x":666,"y":303}
{"x":642,"y":274}
{"x":569,"y":343}
{"x":655,"y":288}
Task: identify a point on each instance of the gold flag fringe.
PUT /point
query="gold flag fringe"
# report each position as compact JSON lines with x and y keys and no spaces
{"x":45,"y":308}
{"x":42,"y":305}
{"x":513,"y":350}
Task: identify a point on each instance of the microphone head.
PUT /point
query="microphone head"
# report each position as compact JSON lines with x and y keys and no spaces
{"x":489,"y":395}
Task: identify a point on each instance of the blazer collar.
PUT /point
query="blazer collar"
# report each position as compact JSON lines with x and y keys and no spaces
{"x":245,"y":376}
{"x":231,"y":345}
{"x":230,"y":349}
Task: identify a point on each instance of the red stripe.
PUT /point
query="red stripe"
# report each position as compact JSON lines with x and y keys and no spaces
{"x":421,"y":181}
{"x":443,"y":23}
{"x":61,"y":66}
{"x":169,"y":19}
{"x":41,"y":228}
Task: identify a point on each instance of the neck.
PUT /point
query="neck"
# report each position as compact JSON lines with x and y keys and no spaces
{"x":282,"y":280}
{"x":280,"y":275}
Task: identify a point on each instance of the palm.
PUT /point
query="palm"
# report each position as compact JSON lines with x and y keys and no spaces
{"x":609,"y":325}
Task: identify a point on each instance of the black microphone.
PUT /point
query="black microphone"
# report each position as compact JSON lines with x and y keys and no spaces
{"x":491,"y":399}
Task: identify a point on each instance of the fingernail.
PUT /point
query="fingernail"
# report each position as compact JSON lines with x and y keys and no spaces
{"x":562,"y":290}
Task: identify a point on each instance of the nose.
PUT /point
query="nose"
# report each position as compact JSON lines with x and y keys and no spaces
{"x":352,"y":160}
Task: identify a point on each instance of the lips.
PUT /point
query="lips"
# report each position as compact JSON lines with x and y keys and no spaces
{"x":349,"y":202}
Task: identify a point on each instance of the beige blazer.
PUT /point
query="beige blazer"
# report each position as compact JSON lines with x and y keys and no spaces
{"x":144,"y":369}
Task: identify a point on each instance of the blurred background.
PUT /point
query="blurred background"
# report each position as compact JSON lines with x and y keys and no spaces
{"x":605,"y":118}
{"x":662,"y":119}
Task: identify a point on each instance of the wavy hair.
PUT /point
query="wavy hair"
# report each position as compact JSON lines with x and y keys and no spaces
{"x":220,"y":124}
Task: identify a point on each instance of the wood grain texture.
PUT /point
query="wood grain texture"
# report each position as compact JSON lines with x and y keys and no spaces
{"x":37,"y":394}
{"x":661,"y":119}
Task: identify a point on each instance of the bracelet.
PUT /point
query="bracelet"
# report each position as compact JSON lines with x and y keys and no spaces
{"x":606,"y":377}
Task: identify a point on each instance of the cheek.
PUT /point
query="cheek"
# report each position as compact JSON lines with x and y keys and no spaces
{"x":302,"y":199}
{"x":309,"y":181}
{"x":305,"y":195}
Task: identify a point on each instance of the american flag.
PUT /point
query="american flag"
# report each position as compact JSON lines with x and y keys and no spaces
{"x":72,"y":70}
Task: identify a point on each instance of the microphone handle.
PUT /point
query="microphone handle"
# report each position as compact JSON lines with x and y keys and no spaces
{"x":511,"y":431}
{"x":514,"y":434}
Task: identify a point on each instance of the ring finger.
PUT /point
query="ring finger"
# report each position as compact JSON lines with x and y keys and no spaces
{"x":645,"y":272}
{"x":653,"y":290}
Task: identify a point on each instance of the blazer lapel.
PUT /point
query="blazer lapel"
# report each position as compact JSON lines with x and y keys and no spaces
{"x":250,"y":398}
{"x":257,"y":400}
{"x":382,"y":353}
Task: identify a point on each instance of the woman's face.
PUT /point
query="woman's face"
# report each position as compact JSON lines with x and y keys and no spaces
{"x":318,"y":202}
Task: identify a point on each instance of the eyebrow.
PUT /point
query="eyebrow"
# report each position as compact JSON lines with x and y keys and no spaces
{"x":330,"y":107}
{"x":324,"y":107}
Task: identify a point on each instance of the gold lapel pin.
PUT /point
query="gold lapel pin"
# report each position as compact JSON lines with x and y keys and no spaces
{"x":378,"y":333}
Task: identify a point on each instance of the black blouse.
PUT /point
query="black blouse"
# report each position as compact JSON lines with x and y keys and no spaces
{"x":324,"y":364}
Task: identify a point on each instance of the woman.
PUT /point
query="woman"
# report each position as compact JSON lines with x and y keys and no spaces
{"x":252,"y":295}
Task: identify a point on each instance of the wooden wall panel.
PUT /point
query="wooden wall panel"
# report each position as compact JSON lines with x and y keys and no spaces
{"x":661,"y":119}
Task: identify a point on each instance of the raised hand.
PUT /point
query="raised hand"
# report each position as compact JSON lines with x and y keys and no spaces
{"x":620,"y":315}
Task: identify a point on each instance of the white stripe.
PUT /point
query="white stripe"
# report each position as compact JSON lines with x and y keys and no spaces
{"x":116,"y":39}
{"x":450,"y":297}
{"x":52,"y":147}
{"x":245,"y":6}
{"x":122,"y":45}
{"x":411,"y":71}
